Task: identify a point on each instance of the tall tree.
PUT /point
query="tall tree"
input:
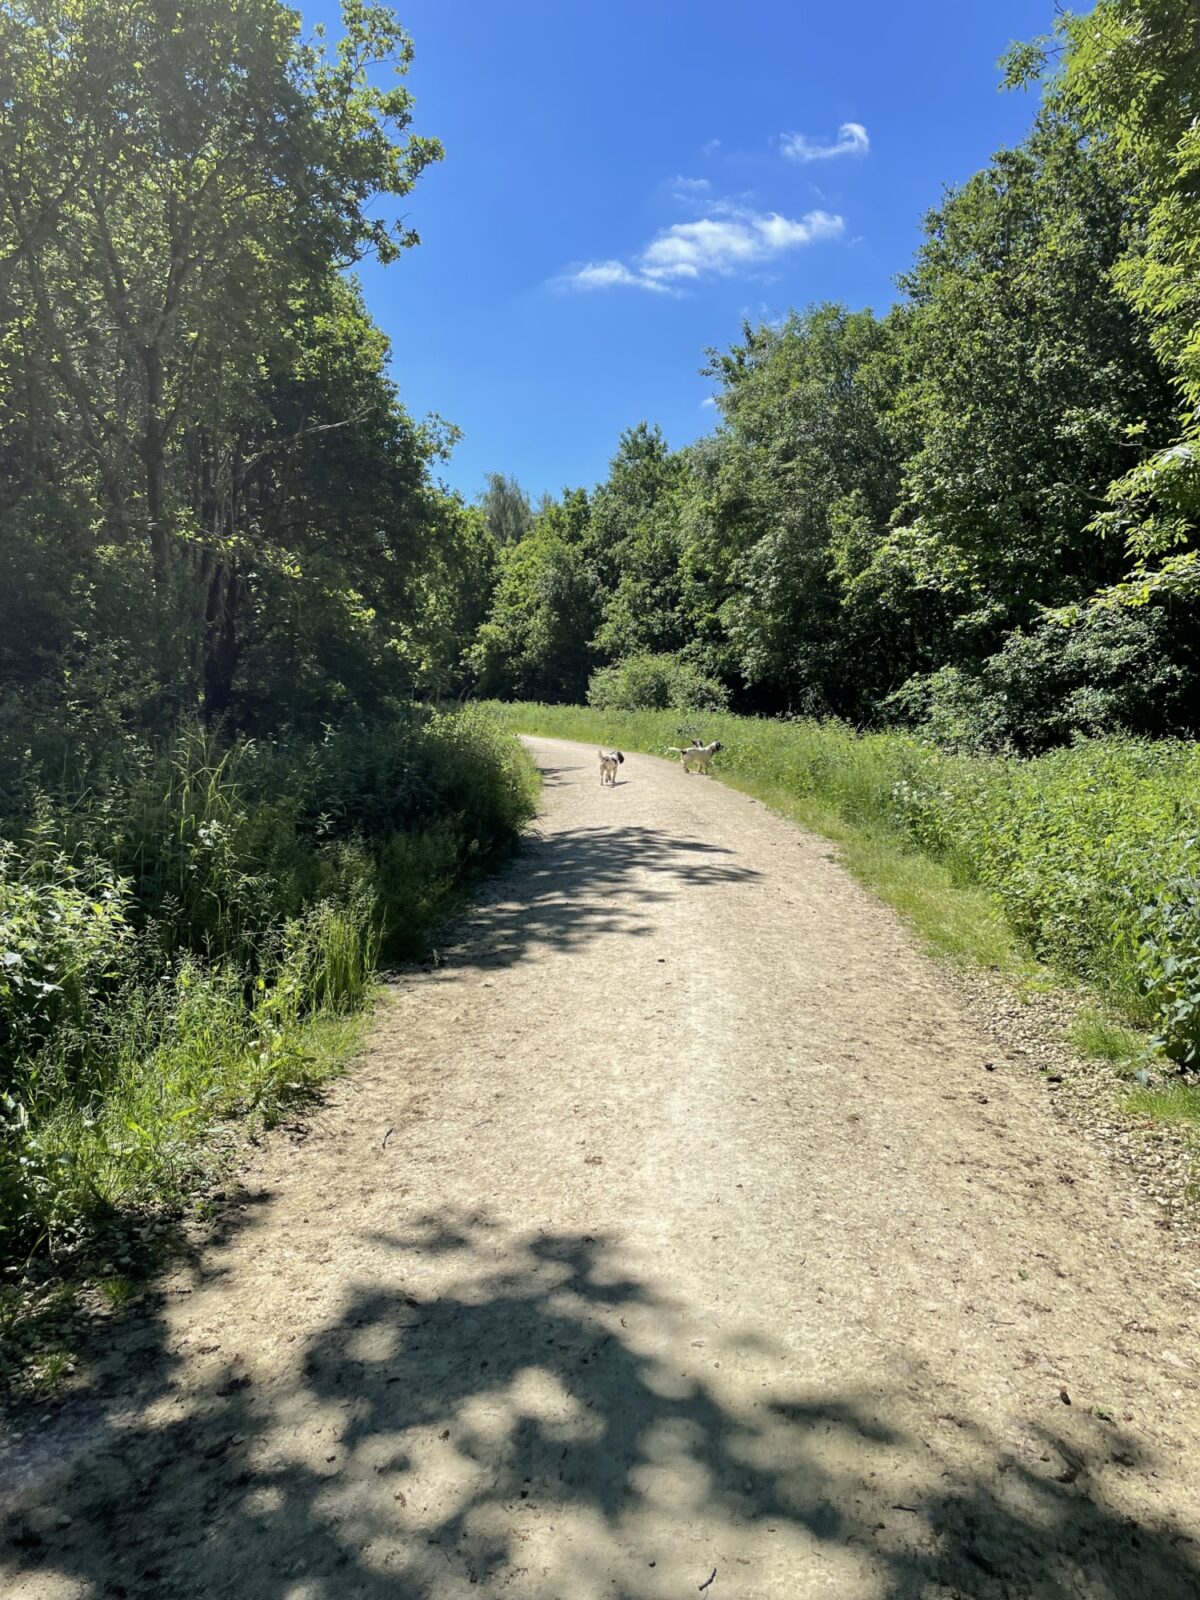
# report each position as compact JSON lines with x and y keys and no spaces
{"x":506,"y":509}
{"x":635,"y":547}
{"x":175,"y":180}
{"x":537,"y":639}
{"x":1024,"y":374}
{"x":1130,"y":71}
{"x":808,"y":457}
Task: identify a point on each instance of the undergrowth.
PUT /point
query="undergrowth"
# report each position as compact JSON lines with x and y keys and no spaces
{"x":1083,"y":861}
{"x":188,"y":929}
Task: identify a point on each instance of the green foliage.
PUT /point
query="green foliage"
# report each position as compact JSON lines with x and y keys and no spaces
{"x":805,"y":483}
{"x":1087,"y":854}
{"x":1128,"y":71}
{"x":635,"y":550}
{"x":654,"y":683}
{"x":545,"y":609}
{"x":506,"y":509}
{"x":1168,"y":960}
{"x":186,"y":925}
{"x":1024,"y":375}
{"x":1108,"y":671}
{"x":65,"y":938}
{"x":206,"y":473}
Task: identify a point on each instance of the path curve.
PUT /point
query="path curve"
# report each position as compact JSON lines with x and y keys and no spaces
{"x":704,"y":1241}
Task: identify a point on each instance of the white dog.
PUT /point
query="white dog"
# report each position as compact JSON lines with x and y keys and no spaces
{"x":610,"y":760}
{"x":701,"y":754}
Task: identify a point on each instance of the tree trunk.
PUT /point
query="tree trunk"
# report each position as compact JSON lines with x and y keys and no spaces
{"x":222,"y":646}
{"x":155,"y":464}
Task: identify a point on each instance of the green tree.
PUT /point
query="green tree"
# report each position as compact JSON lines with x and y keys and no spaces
{"x":1130,"y":71}
{"x":506,"y":509}
{"x":806,"y":467}
{"x":634,"y":541}
{"x":176,"y":183}
{"x":1024,"y":374}
{"x":537,"y":639}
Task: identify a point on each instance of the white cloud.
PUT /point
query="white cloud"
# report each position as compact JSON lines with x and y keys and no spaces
{"x":724,"y":245}
{"x":709,"y":400}
{"x":690,"y":188}
{"x":735,"y":239}
{"x":851,"y":141}
{"x":608,"y":275}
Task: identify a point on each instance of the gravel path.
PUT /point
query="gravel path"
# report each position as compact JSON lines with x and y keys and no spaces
{"x":674,"y":1224}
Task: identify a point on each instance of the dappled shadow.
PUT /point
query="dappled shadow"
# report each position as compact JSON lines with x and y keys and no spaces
{"x":576,"y":885}
{"x":558,"y":777}
{"x":523,"y":1414}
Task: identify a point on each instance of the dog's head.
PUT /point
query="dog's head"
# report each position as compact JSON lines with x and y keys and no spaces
{"x":716,"y":745}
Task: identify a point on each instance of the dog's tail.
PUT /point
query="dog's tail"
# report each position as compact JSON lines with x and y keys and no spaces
{"x":620,"y":758}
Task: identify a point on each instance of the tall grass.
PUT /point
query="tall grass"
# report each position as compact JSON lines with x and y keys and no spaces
{"x":1087,"y":857}
{"x":187,"y":930}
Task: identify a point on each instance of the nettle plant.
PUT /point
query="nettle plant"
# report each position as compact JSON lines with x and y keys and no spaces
{"x":65,"y":937}
{"x":1168,"y":959}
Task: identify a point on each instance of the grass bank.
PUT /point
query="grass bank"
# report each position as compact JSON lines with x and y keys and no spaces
{"x":188,"y":930}
{"x":1084,"y":860}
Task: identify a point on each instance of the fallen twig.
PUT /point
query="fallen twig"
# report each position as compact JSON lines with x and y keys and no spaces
{"x":386,"y":1137}
{"x":709,"y":1579}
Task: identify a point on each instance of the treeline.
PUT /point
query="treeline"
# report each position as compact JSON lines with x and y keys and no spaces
{"x":977,"y":513}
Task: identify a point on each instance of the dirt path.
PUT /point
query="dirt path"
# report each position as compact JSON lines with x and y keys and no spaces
{"x":702,"y":1239}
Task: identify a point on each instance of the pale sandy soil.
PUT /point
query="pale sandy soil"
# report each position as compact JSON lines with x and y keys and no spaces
{"x":672,"y":1224}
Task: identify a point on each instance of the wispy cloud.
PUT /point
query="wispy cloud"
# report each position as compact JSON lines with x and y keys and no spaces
{"x":608,"y":275}
{"x":690,"y":188}
{"x":732,"y":239}
{"x":709,"y":402}
{"x":852,"y":140}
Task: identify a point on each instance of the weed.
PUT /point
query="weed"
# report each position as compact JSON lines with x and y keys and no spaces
{"x":1094,"y":1033}
{"x":189,"y":930}
{"x":1176,"y":1103}
{"x":51,"y":1368}
{"x":117,"y":1291}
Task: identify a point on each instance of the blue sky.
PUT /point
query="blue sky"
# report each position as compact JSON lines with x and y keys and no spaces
{"x":623,"y":183}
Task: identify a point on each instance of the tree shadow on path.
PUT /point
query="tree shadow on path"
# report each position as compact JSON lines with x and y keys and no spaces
{"x":521,"y":1415}
{"x":573,"y":886}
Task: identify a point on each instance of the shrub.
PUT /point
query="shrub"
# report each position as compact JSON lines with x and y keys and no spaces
{"x":1168,"y":959}
{"x":180,"y":920}
{"x":655,"y":683}
{"x":1107,"y":673}
{"x":65,"y":939}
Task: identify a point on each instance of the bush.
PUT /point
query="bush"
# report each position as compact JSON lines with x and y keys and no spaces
{"x":655,"y":683}
{"x":1109,"y":672}
{"x":179,"y":921}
